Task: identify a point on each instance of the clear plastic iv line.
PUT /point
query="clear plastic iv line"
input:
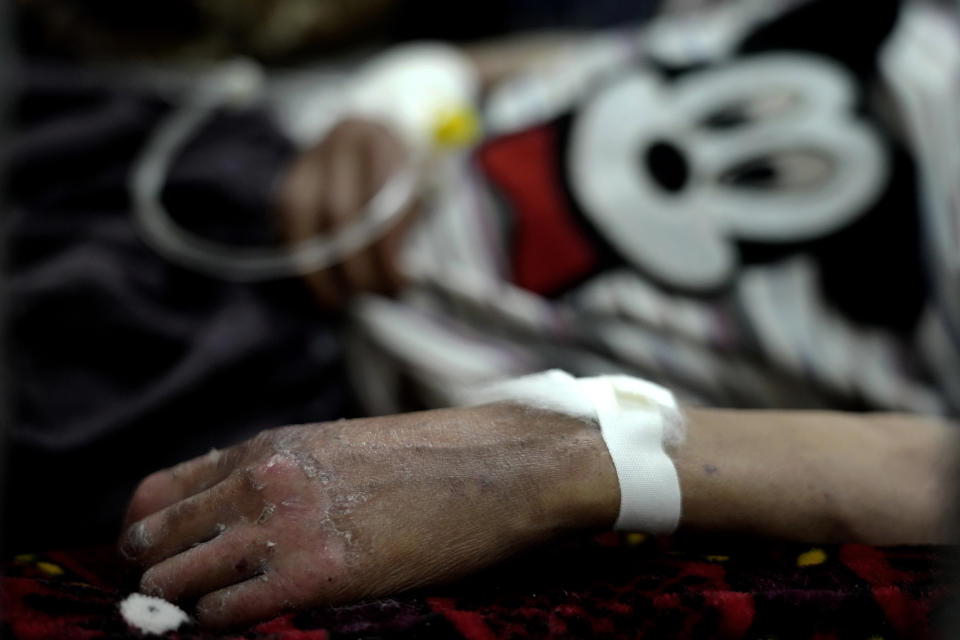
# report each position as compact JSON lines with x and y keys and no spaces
{"x":242,"y":82}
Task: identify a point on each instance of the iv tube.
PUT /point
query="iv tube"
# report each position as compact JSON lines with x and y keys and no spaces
{"x":179,"y":245}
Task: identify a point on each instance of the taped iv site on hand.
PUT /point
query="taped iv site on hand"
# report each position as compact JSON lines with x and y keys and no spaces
{"x":444,"y":86}
{"x":637,"y":420}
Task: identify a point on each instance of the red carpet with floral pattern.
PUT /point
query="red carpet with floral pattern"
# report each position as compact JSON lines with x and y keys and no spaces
{"x":611,"y":586}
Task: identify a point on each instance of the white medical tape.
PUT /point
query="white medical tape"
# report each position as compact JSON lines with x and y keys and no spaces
{"x":636,"y":417}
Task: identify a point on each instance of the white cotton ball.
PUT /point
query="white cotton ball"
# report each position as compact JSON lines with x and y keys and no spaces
{"x":152,"y":615}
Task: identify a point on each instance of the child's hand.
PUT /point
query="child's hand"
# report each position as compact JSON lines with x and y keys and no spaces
{"x":326,"y":513}
{"x":327,"y":188}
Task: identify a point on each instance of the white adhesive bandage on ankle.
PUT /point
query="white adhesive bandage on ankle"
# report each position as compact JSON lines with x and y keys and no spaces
{"x":637,"y":418}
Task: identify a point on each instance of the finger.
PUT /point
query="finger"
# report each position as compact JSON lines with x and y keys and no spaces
{"x":168,"y":486}
{"x":235,"y":556}
{"x":303,"y":213}
{"x":291,"y":581}
{"x":343,"y":188}
{"x":384,"y":157}
{"x":242,"y":604}
{"x":191,"y":521}
{"x":346,"y":202}
{"x":301,"y":197}
{"x":262,"y":598}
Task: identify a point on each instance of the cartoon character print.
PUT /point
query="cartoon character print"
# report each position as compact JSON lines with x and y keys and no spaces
{"x":685,"y":177}
{"x":766,"y":149}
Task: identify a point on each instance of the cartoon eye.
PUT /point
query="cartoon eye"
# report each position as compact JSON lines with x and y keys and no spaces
{"x":757,"y":107}
{"x":797,"y":170}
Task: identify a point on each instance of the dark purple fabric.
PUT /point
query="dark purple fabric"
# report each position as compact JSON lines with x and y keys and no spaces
{"x":121,"y":361}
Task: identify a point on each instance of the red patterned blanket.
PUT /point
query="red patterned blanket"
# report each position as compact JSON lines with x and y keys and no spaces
{"x":611,"y":586}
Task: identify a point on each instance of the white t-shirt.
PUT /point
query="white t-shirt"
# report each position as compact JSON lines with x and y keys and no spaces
{"x":759,"y":218}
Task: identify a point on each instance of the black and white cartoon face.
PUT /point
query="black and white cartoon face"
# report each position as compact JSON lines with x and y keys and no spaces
{"x":762,"y":149}
{"x":777,"y":150}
